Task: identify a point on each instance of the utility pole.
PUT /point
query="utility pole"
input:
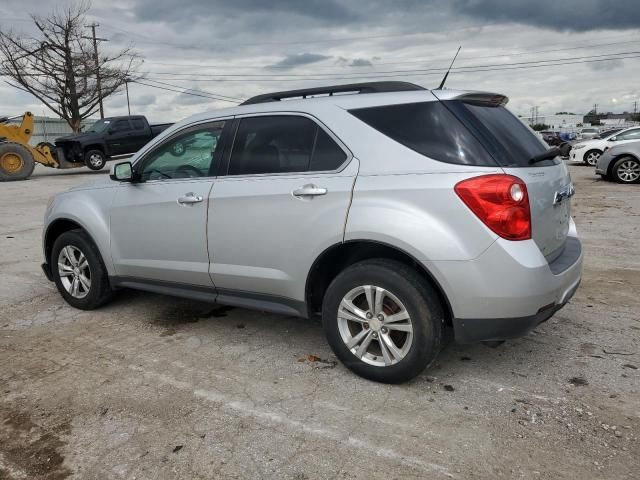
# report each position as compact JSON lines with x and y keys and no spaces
{"x":97,"y":62}
{"x":635,"y":107}
{"x":595,"y":108}
{"x":536,"y":110}
{"x":126,"y":87}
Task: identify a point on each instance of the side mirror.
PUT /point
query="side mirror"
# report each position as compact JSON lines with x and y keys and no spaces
{"x":122,"y":172}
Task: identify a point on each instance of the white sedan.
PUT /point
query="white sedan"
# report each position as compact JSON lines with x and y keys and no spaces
{"x":589,"y":151}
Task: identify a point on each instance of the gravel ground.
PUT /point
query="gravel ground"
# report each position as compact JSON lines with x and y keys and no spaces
{"x":156,"y":387}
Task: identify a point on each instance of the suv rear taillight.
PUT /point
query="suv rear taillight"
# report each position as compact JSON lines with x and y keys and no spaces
{"x":501,"y":202}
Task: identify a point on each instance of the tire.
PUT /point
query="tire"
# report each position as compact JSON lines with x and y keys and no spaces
{"x":95,"y":159}
{"x":178,"y":149}
{"x":76,"y":243}
{"x":16,"y":162}
{"x":414,"y":350}
{"x":591,"y":157}
{"x":626,"y":170}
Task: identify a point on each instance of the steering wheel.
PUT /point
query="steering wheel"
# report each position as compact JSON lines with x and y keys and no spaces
{"x":187,"y":171}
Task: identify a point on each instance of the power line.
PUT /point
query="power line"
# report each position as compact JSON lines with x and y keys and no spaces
{"x":374,"y":76}
{"x":186,"y":92}
{"x":276,"y":67}
{"x":395,"y":72}
{"x":222,"y":97}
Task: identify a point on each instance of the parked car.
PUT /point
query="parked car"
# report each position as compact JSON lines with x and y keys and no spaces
{"x":107,"y":138}
{"x":588,"y":133}
{"x":389,"y":210}
{"x":552,"y":138}
{"x":589,"y":151}
{"x":607,"y":133}
{"x":557,"y":139}
{"x":621,"y":163}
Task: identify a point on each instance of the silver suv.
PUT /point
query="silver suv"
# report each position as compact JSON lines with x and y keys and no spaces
{"x":392,"y":211}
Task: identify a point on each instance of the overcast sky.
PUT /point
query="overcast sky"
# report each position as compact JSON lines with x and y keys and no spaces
{"x":240,"y":48}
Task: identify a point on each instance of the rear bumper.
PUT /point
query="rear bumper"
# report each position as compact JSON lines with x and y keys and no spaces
{"x":488,"y":329}
{"x":509,"y":289}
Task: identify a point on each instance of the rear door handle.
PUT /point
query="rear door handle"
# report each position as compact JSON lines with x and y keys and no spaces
{"x":309,"y":191}
{"x":189,"y":199}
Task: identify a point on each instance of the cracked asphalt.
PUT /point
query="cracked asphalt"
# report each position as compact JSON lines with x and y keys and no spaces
{"x":152,"y":387}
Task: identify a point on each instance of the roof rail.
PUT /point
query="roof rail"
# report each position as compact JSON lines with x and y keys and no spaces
{"x":367,"y":87}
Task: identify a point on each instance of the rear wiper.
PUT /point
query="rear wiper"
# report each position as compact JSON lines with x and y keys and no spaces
{"x":553,"y":152}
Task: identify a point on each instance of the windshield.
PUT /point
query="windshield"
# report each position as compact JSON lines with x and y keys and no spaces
{"x":100,"y":126}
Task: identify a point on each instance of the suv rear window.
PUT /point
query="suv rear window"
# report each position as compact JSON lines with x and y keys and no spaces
{"x":509,"y":141}
{"x":459,"y":132}
{"x":430,"y":129}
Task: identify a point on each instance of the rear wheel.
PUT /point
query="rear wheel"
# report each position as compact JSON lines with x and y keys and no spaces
{"x":16,"y":162}
{"x":626,"y":170}
{"x":382,"y":320}
{"x":591,"y":157}
{"x":95,"y":159}
{"x":79,"y":272}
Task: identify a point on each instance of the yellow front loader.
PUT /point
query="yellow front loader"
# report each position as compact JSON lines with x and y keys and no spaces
{"x":17,"y":157}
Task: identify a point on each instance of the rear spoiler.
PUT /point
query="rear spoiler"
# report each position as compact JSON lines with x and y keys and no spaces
{"x":487,"y":99}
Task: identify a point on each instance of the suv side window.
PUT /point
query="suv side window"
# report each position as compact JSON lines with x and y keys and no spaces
{"x":192,"y":154}
{"x":138,"y":123}
{"x":121,"y":126}
{"x":282,"y":144}
{"x":428,"y":128}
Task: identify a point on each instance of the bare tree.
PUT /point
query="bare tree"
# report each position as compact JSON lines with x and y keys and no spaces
{"x":59,"y":67}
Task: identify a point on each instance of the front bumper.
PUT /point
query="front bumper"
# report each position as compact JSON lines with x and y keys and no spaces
{"x":602,"y":167}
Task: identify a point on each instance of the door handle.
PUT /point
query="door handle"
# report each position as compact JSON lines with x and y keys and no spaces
{"x":309,"y":191}
{"x":189,"y":199}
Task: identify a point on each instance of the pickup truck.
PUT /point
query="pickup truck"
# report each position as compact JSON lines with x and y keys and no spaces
{"x":108,"y":137}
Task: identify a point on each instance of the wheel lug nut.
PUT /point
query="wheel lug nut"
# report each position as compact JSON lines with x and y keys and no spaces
{"x":380,"y":317}
{"x":383,"y":330}
{"x":375,"y":335}
{"x":369,"y":315}
{"x":365,"y":325}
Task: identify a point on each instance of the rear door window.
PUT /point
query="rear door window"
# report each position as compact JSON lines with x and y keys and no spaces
{"x":282,"y":144}
{"x":430,"y":129}
{"x":138,"y":123}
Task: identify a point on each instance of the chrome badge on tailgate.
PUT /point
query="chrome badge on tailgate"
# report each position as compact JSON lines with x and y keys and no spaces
{"x":564,"y":193}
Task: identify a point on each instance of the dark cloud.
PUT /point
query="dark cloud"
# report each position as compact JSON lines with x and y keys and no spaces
{"x":565,"y":15}
{"x":298,"y":59}
{"x":360,"y":62}
{"x":606,"y":66}
{"x":171,"y":11}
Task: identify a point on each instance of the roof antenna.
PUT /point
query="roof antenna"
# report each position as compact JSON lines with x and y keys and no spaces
{"x":447,"y":74}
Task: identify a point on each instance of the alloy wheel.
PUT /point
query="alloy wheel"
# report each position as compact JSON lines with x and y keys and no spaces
{"x":592,"y":158}
{"x":74,"y":271}
{"x":95,"y":160}
{"x":375,"y":325}
{"x":628,"y":171}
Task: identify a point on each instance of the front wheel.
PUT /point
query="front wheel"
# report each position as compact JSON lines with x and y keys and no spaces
{"x":16,"y":162}
{"x":382,"y":320}
{"x":79,"y":272}
{"x":95,"y":159}
{"x":626,"y":170}
{"x":591,"y":157}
